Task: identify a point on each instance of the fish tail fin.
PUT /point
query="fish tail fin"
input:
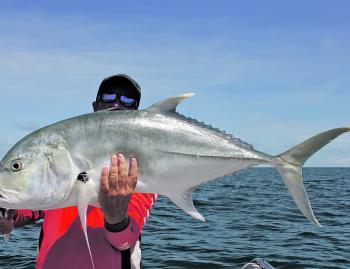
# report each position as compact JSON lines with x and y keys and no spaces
{"x":289,"y":165}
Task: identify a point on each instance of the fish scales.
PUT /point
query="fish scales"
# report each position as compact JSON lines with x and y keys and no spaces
{"x":175,"y":155}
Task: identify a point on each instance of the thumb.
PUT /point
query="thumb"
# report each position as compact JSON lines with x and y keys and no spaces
{"x":11,"y":213}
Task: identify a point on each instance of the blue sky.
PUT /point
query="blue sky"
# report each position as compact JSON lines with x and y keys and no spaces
{"x":273,"y":73}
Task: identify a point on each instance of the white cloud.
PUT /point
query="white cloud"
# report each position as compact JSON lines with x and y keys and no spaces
{"x":45,"y":58}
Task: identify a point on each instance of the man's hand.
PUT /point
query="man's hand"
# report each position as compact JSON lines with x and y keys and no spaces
{"x":6,"y":224}
{"x":117,"y":185}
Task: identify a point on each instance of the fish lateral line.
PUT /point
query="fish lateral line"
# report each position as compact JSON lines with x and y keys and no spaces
{"x":209,"y":156}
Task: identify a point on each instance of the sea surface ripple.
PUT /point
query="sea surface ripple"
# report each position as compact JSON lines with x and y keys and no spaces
{"x":249,"y":214}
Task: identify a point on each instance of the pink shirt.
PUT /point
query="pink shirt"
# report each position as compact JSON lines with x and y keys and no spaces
{"x":64,"y":245}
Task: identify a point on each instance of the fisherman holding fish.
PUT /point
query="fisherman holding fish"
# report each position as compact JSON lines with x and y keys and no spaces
{"x":58,"y":167}
{"x":114,"y":229}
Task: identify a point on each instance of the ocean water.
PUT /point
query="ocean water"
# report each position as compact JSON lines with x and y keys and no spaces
{"x":248,"y":215}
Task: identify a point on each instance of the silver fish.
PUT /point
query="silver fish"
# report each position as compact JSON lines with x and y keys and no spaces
{"x":175,"y":155}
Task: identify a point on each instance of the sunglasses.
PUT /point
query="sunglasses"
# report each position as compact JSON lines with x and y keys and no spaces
{"x":123,"y":99}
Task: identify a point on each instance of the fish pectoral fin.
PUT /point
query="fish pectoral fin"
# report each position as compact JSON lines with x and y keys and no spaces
{"x":85,"y":193}
{"x":170,"y":104}
{"x":184,"y":201}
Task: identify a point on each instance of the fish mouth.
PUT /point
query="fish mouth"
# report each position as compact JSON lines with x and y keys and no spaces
{"x":4,"y":203}
{"x":3,"y":198}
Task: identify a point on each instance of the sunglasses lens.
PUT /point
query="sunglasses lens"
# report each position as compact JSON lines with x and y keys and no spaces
{"x":108,"y":97}
{"x":127,"y":101}
{"x":113,"y":97}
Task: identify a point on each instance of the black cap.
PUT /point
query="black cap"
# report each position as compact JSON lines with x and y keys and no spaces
{"x":120,"y":83}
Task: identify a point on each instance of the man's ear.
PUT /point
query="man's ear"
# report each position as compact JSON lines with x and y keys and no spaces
{"x":94,"y":105}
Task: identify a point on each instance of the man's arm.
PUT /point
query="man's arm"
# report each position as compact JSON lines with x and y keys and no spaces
{"x":19,"y":218}
{"x":26,"y":217}
{"x":117,"y":186}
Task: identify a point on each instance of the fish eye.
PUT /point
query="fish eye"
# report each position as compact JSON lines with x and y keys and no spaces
{"x":16,"y":165}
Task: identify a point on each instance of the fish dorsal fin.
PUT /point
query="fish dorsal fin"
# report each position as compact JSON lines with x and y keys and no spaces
{"x":84,"y":194}
{"x":184,"y":201}
{"x":170,"y":104}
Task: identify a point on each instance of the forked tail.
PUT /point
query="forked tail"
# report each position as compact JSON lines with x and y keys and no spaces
{"x":289,"y":165}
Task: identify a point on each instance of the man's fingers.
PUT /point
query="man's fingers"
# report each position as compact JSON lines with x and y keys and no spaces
{"x":104,"y":179}
{"x":133,"y":173}
{"x":133,"y":168}
{"x":113,"y":174}
{"x":122,"y":169}
{"x":118,"y":179}
{"x":6,"y":226}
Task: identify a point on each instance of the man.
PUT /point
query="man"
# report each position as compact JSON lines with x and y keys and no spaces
{"x":114,"y":229}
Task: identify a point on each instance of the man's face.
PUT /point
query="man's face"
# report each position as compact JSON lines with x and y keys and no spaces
{"x":111,"y":100}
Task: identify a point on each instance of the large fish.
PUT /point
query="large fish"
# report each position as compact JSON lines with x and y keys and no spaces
{"x":175,"y":155}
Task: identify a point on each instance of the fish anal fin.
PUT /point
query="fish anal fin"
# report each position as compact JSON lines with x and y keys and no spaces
{"x":170,"y":104}
{"x":184,"y":201}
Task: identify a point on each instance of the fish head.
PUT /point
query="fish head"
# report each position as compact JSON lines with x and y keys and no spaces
{"x":37,"y":173}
